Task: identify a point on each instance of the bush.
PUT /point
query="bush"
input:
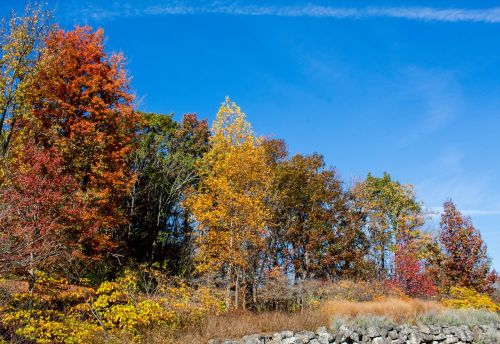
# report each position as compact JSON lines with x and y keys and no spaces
{"x":48,"y":315}
{"x":361,"y":322}
{"x":469,"y":298}
{"x":457,"y":317}
{"x":119,"y":310}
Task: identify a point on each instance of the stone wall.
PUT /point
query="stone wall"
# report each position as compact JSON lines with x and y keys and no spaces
{"x":432,"y":334}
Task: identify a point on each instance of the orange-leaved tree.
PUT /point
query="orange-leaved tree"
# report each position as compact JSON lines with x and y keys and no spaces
{"x":82,"y":107}
{"x":229,"y":204}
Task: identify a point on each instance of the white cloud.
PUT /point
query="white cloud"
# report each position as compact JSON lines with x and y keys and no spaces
{"x":122,"y":9}
{"x":437,"y":211}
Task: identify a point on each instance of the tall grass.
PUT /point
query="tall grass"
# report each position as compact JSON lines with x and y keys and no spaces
{"x":236,"y":325}
{"x":397,"y":310}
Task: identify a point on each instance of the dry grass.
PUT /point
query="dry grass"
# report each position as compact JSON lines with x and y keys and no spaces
{"x":236,"y":325}
{"x":398,"y":310}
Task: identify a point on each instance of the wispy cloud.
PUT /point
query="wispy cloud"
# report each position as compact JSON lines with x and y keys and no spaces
{"x":437,"y":211}
{"x":122,"y":9}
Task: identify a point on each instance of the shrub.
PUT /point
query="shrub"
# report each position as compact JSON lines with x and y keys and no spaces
{"x":457,"y":317}
{"x":410,"y":275}
{"x":461,"y":297}
{"x":119,"y":310}
{"x":119,"y":307}
{"x":49,"y":314}
{"x":361,"y":322}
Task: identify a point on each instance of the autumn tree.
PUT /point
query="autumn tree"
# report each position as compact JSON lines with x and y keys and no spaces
{"x":392,"y":217}
{"x":410,"y":273}
{"x":229,"y":204}
{"x":313,"y":228}
{"x":44,"y":224}
{"x":465,"y":262}
{"x":21,"y":40}
{"x":164,"y":161}
{"x":81,"y":106}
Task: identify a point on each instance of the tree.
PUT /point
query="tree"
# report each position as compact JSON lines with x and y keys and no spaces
{"x":313,"y":228}
{"x":465,"y":262}
{"x":229,"y":204}
{"x":81,"y":106}
{"x":164,"y":162}
{"x":43,"y":222}
{"x":392,"y":217}
{"x":21,"y":40}
{"x":410,"y":273}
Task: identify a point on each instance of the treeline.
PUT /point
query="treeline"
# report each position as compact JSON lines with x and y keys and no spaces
{"x":90,"y":185}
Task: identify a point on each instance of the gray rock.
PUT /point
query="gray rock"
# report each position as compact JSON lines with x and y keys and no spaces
{"x":372,"y":332}
{"x":413,"y":338}
{"x":343,"y":334}
{"x":450,"y":339}
{"x":434,"y":329}
{"x":278,"y":336}
{"x":322,"y":330}
{"x":323,"y":336}
{"x":306,"y":336}
{"x":354,"y":336}
{"x":251,"y":339}
{"x":292,"y":340}
{"x":393,"y":334}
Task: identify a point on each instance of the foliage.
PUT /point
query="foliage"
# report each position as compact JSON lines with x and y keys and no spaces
{"x":49,"y":314}
{"x":81,"y":106}
{"x":461,"y":297}
{"x":217,"y":219}
{"x":392,"y":214}
{"x":57,"y":312}
{"x":21,"y":39}
{"x":465,"y":262}
{"x":164,"y":162}
{"x":229,"y":205}
{"x":410,"y":274}
{"x":44,"y":222}
{"x":313,"y":229}
{"x":118,"y":306}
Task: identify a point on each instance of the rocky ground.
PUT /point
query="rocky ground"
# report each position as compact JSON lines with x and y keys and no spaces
{"x":432,"y":334}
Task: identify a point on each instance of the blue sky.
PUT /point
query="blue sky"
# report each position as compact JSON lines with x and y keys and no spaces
{"x":412,"y":88}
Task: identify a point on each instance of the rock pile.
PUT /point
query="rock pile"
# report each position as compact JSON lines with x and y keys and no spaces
{"x":431,"y":334}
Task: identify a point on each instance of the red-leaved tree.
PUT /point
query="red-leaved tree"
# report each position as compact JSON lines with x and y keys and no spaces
{"x":465,"y":263}
{"x":410,"y":274}
{"x":43,"y":221}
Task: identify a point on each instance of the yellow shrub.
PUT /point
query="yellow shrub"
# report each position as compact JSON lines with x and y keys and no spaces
{"x":469,"y":298}
{"x":46,"y":316}
{"x":57,"y":312}
{"x":122,"y":307}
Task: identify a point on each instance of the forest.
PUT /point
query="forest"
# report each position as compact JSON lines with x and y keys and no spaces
{"x":115,"y":223}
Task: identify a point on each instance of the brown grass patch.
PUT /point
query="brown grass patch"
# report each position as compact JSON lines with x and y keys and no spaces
{"x":237,"y":325}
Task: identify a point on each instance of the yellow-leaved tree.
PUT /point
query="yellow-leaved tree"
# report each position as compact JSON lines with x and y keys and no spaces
{"x":229,"y":205}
